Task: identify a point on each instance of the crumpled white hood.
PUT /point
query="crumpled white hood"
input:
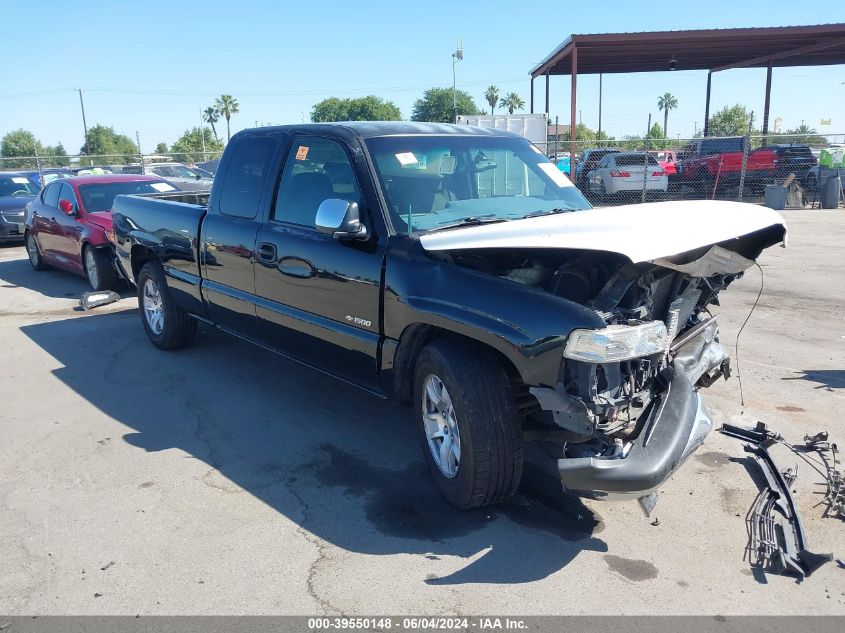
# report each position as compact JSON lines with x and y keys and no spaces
{"x":641,"y":232}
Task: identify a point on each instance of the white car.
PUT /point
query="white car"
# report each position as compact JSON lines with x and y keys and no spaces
{"x":617,"y":173}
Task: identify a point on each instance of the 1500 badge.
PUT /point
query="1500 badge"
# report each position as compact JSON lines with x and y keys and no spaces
{"x":358,"y":320}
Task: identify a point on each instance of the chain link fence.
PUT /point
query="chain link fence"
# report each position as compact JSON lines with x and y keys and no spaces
{"x":163,"y":164}
{"x":636,"y":169}
{"x":608,"y":172}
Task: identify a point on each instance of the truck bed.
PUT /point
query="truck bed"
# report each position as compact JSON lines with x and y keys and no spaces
{"x":168,"y":224}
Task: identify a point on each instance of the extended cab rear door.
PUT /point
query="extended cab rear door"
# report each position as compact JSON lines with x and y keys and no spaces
{"x":235,"y":212}
{"x":318,"y":297}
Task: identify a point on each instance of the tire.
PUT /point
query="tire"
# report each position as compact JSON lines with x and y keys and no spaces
{"x":34,"y":252}
{"x":98,"y":268}
{"x":167,"y":325}
{"x":486,"y":423}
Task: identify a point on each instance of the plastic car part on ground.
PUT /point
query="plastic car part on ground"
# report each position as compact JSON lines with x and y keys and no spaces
{"x":776,"y":539}
{"x":96,"y":299}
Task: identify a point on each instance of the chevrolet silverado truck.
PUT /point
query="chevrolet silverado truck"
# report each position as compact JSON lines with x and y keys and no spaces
{"x":457,"y":269}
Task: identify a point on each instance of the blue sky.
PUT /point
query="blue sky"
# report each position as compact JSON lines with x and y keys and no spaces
{"x":152,"y":66}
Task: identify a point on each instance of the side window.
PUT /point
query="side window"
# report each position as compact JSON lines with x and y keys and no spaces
{"x":50,"y":197}
{"x":244,"y":177}
{"x":67,"y":194}
{"x":316,"y":169}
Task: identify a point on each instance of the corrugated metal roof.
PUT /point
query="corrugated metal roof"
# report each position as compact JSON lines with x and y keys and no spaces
{"x":701,"y":49}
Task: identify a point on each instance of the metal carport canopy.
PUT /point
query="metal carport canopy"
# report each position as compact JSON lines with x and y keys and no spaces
{"x":711,"y":49}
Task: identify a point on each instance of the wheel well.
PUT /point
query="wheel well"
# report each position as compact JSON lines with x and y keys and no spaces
{"x":417,"y":336}
{"x":140,"y":256}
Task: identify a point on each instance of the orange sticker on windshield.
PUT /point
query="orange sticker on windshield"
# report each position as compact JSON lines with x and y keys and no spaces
{"x":302,"y":152}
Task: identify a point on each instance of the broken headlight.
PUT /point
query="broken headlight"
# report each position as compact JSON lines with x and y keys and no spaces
{"x":617,"y":342}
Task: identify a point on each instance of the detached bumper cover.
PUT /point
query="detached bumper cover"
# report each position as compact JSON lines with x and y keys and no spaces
{"x":675,"y":428}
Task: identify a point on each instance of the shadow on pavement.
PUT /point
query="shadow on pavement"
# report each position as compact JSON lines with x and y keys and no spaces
{"x":828,"y":379}
{"x":52,"y":282}
{"x":346,"y":466}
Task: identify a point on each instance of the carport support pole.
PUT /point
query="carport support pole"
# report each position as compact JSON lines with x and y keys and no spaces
{"x":766,"y":105}
{"x":573,"y":109}
{"x":707,"y":105}
{"x":547,"y":93}
{"x":532,"y":94}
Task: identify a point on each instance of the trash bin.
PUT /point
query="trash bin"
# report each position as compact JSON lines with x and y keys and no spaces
{"x":775,"y":197}
{"x":829,"y":192}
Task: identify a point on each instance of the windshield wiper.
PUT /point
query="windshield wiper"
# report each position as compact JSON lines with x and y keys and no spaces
{"x":548,"y":212}
{"x":469,"y":221}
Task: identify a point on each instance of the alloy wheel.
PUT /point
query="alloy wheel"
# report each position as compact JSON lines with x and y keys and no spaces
{"x":441,"y":426}
{"x":153,"y":309}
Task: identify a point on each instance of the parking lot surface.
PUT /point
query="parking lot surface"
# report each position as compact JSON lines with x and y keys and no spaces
{"x":222,"y":479}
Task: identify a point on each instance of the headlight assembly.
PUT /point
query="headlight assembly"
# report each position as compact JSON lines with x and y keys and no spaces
{"x":617,"y":342}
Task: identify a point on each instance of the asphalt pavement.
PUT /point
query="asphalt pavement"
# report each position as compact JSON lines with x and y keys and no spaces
{"x":221,"y":479}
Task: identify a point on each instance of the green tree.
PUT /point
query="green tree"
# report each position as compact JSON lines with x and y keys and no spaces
{"x":57,"y":156}
{"x":161,"y":148}
{"x":492,"y":98}
{"x":188,"y":147}
{"x":729,"y":121}
{"x":656,"y":137}
{"x":116,"y":148}
{"x":512,"y":101}
{"x":226,"y":106}
{"x":369,"y":108}
{"x":211,"y":116}
{"x":21,"y":143}
{"x":804,"y":134}
{"x":435,"y":106}
{"x":666,"y":102}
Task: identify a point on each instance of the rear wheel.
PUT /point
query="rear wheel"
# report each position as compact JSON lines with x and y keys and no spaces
{"x":469,"y":426}
{"x":34,"y":252}
{"x":98,"y":268}
{"x":167,"y":325}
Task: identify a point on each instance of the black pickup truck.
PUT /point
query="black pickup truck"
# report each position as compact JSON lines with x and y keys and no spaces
{"x":457,"y":269}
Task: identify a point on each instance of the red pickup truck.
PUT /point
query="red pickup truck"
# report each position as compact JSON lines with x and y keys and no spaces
{"x":709,"y":164}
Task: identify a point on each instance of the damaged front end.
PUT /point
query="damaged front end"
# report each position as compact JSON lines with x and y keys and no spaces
{"x":629,"y":392}
{"x":626,"y":400}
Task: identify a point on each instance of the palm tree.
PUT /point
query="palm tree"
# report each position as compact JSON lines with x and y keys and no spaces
{"x":666,"y":102}
{"x":492,"y":96}
{"x":512,"y":101}
{"x":227,"y":105}
{"x":210,"y":115}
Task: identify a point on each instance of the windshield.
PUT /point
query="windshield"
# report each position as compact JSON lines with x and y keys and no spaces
{"x":16,"y":186}
{"x":432,"y":181}
{"x":180,"y":171}
{"x":100,"y":197}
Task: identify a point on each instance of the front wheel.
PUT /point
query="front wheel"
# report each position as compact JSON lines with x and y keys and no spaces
{"x":34,"y":252}
{"x":167,"y":325}
{"x":468,"y":423}
{"x":98,"y":268}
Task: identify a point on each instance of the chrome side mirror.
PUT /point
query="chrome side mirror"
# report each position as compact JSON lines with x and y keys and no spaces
{"x":341,"y":219}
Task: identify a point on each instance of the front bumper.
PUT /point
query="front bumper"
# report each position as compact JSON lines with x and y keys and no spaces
{"x":11,"y":226}
{"x":676,"y":426}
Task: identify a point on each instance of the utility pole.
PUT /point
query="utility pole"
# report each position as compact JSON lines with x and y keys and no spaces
{"x":457,"y":56}
{"x":645,"y":159}
{"x":84,"y":126}
{"x":202,"y":134}
{"x":140,"y":155}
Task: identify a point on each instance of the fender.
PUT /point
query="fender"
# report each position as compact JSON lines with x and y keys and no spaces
{"x":526,"y":325}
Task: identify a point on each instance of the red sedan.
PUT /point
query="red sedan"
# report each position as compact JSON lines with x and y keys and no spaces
{"x":68,"y":224}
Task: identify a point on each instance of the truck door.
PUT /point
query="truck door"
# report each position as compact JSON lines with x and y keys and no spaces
{"x":318,"y":297}
{"x":229,"y":229}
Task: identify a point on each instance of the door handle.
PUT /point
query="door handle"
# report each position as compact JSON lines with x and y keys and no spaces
{"x":297,"y":267}
{"x":266,"y":253}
